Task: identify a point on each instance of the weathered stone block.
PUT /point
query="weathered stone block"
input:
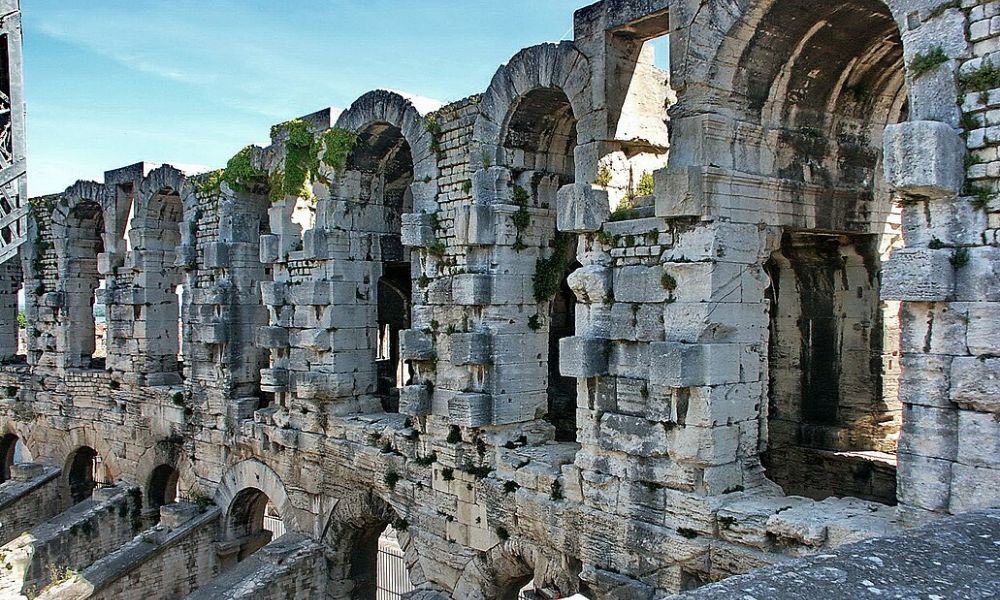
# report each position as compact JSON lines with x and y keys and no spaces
{"x":471,"y":289}
{"x":583,"y":357}
{"x":216,"y":332}
{"x":415,"y":400}
{"x":918,"y":275}
{"x":491,"y":186}
{"x":591,"y":283}
{"x":314,"y":293}
{"x":633,"y":435}
{"x":470,"y":410}
{"x":926,"y":380}
{"x":474,"y":225}
{"x":53,"y":299}
{"x":924,"y":159}
{"x":272,"y":293}
{"x":272,"y":337}
{"x":930,"y":432}
{"x":975,"y":383}
{"x":639,"y":284}
{"x":983,"y":335}
{"x":314,"y":243}
{"x":417,"y":230}
{"x":978,"y":279}
{"x":317,"y":386}
{"x":216,"y":255}
{"x":270,"y":248}
{"x":416,"y":344}
{"x":680,"y":192}
{"x":924,"y":482}
{"x":581,"y":208}
{"x":107,"y":262}
{"x":686,"y":365}
{"x":470,"y":348}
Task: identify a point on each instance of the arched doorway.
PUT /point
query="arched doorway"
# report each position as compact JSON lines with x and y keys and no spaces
{"x":85,"y":473}
{"x":155,"y":239}
{"x":84,"y":240}
{"x":822,"y":87}
{"x":538,"y":147}
{"x":382,"y":162}
{"x":252,"y":522}
{"x":368,"y":542}
{"x":162,"y":488}
{"x":12,"y":452}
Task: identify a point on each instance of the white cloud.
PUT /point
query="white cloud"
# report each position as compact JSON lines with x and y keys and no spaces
{"x":423,"y":104}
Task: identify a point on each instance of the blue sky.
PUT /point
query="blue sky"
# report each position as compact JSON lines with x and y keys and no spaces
{"x":112,"y":82}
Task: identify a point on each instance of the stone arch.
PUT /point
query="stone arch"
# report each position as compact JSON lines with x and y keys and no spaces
{"x":804,"y":91}
{"x":352,"y":533}
{"x":10,"y":437}
{"x":167,"y":452}
{"x":67,"y":442}
{"x":253,"y":474}
{"x":23,"y":432}
{"x":80,"y":234}
{"x":391,"y":170}
{"x":147,"y":338}
{"x":382,"y":106}
{"x":501,"y":572}
{"x":544,"y":67}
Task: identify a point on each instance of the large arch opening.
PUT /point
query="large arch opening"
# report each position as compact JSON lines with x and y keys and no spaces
{"x":162,"y":487}
{"x":539,"y":143}
{"x":86,"y":471}
{"x":823,"y":82}
{"x":252,"y":522}
{"x":368,"y":541}
{"x":80,"y":282}
{"x":12,"y":452}
{"x":380,"y":169}
{"x":155,"y":237}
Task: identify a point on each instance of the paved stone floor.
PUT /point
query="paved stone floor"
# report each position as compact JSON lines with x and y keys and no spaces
{"x":958,"y":558}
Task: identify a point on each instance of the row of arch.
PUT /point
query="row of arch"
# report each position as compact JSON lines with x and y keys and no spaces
{"x":530,"y":121}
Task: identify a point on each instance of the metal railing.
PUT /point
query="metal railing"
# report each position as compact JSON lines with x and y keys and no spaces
{"x":392,"y":580}
{"x":275,"y":525}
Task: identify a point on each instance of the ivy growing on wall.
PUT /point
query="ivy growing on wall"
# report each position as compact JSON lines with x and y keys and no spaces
{"x":521,"y":218}
{"x":549,"y":271}
{"x":240,"y":172}
{"x":304,"y":152}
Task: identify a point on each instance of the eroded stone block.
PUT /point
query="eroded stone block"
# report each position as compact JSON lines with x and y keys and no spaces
{"x":924,"y":159}
{"x":582,"y":208}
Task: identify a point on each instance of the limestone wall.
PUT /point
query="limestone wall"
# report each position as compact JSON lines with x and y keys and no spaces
{"x":52,"y":551}
{"x":289,"y":567}
{"x":168,"y":561}
{"x":32,"y":496}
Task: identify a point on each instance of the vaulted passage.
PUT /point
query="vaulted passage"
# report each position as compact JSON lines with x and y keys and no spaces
{"x":84,"y":229}
{"x":379,"y":172}
{"x":83,"y":473}
{"x":823,"y":81}
{"x":251,"y":523}
{"x":539,"y":147}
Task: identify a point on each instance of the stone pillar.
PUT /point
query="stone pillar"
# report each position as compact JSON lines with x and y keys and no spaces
{"x":10,"y":283}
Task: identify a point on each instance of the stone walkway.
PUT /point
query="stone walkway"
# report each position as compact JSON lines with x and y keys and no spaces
{"x":956,"y":558}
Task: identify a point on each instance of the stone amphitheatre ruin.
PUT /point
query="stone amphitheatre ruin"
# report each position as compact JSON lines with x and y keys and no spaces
{"x":619,"y":325}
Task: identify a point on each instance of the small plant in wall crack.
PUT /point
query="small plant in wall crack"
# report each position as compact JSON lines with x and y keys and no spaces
{"x":549,"y":271}
{"x":960,"y":258}
{"x":391,"y":479}
{"x":925,"y":62}
{"x":521,"y":218}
